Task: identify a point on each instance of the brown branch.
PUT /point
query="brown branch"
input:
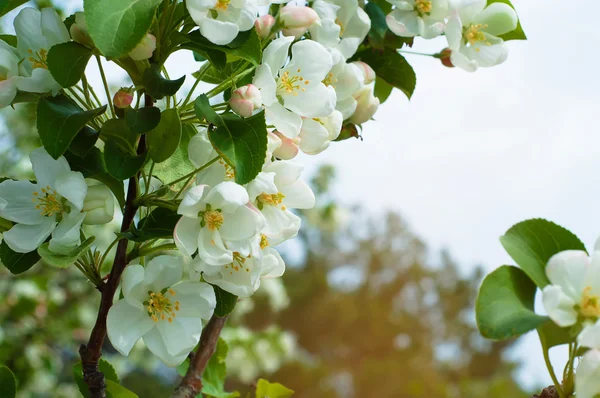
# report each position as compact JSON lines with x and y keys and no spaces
{"x":91,"y":352}
{"x":191,"y":385}
{"x":548,"y":392}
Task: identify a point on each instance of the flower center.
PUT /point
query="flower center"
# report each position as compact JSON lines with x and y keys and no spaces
{"x":274,"y":199}
{"x":229,"y":171}
{"x":341,"y":25}
{"x":423,"y":6}
{"x":238,"y":263}
{"x":291,"y":84}
{"x":330,"y":80}
{"x":264,"y":241}
{"x":222,"y":5}
{"x":213,"y":219}
{"x":48,"y":202}
{"x":160,"y":306}
{"x":473,"y":34}
{"x":590,"y":304}
{"x":38,"y":59}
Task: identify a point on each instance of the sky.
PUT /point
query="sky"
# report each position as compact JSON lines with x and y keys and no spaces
{"x":471,"y":154}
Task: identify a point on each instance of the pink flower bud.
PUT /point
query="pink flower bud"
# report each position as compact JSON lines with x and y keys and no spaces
{"x":366,"y":107}
{"x":144,"y":49}
{"x":288,"y":148}
{"x":444,"y":57}
{"x":263,"y":25}
{"x":245,"y":100}
{"x":367,"y":72}
{"x":123,"y":98}
{"x":293,"y":16}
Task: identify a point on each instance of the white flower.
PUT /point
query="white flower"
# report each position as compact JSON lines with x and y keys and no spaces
{"x":472,"y":32}
{"x":366,"y":71}
{"x":242,"y":276}
{"x":99,"y":204}
{"x":287,"y":148}
{"x":144,"y":49}
{"x":366,"y":107}
{"x":215,"y":219}
{"x":220,"y":21}
{"x":37,"y":31}
{"x":245,"y":100}
{"x":276,"y":190}
{"x":317,"y":133}
{"x":200,"y":152}
{"x":587,"y":382}
{"x":423,"y":18}
{"x":346,"y":79}
{"x":575,"y":287}
{"x":290,"y":92}
{"x":9,"y":74}
{"x":344,"y":25}
{"x":51,"y":206}
{"x":295,"y":20}
{"x":166,"y":314}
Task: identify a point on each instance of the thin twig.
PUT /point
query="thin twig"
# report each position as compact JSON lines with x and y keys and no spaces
{"x":191,"y":384}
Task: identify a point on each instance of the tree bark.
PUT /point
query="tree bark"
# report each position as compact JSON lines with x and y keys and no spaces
{"x":548,"y":392}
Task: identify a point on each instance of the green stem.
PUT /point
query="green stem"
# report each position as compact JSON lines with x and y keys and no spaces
{"x":201,"y":74}
{"x":416,"y":53}
{"x":149,"y":177}
{"x":559,"y":389}
{"x":114,"y":242}
{"x":226,"y":84}
{"x":146,"y":251}
{"x":105,"y":83}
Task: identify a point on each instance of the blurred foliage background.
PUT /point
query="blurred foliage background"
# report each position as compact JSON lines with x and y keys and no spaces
{"x":364,"y":310}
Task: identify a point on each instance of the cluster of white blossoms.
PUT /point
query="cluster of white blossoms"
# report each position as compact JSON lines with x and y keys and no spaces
{"x":573,"y":300}
{"x":472,"y":27}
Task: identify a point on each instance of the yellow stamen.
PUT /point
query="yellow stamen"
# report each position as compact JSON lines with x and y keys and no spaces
{"x":291,"y":84}
{"x":49,"y":202}
{"x":330,"y":80}
{"x":423,"y":6}
{"x":159,"y":306}
{"x":590,"y":304}
{"x":271,"y":199}
{"x":264,"y":241}
{"x":229,"y":171}
{"x":473,"y":34}
{"x":38,"y":59}
{"x":213,"y":219}
{"x":222,"y":5}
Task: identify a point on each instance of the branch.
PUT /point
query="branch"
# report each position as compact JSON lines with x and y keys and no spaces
{"x":191,"y":385}
{"x":91,"y":352}
{"x":548,"y":392}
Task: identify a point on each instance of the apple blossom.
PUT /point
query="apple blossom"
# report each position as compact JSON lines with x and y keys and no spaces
{"x":200,"y":152}
{"x":160,"y":309}
{"x":296,"y":19}
{"x":214,"y":219}
{"x":367,"y":72}
{"x":288,"y":147}
{"x":37,"y":31}
{"x":346,"y":79}
{"x":50,"y":206}
{"x":9,"y":74}
{"x":423,"y":18}
{"x":276,"y":190}
{"x":366,"y":107}
{"x":344,"y":25}
{"x":263,"y":25}
{"x":144,"y":49}
{"x":220,"y":21}
{"x":292,"y":90}
{"x":317,"y":133}
{"x":473,"y":32}
{"x":245,"y":100}
{"x":99,"y":204}
{"x":575,"y":287}
{"x":587,"y":383}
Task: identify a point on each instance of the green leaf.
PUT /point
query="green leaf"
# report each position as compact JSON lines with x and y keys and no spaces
{"x":213,"y":379}
{"x":121,"y":164}
{"x":518,"y":33}
{"x":64,"y":260}
{"x":179,"y":164}
{"x":385,"y":5}
{"x":117,"y":26}
{"x":118,"y":130}
{"x":17,"y":263}
{"x":552,"y":335}
{"x":246,"y":46}
{"x":59,"y":120}
{"x":142,"y":120}
{"x":84,"y":141}
{"x":105,"y":367}
{"x":67,"y":62}
{"x":250,"y":50}
{"x":392,"y":68}
{"x":160,"y":223}
{"x":531,"y":243}
{"x":163,"y":141}
{"x":378,"y":24}
{"x":8,"y":383}
{"x":157,"y":86}
{"x":504,"y":305}
{"x":225,"y":302}
{"x":92,"y":166}
{"x":115,"y":390}
{"x":242,"y":142}
{"x":11,"y":40}
{"x":382,"y":90}
{"x":264,"y":389}
{"x":8,"y":5}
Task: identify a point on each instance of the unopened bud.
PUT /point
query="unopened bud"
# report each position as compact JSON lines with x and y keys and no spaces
{"x":296,"y":20}
{"x":79,"y":31}
{"x":366,"y":106}
{"x":263,"y":25}
{"x":245,"y":100}
{"x":99,"y":205}
{"x":367,"y":72}
{"x":123,"y":98}
{"x":288,"y":148}
{"x":144,"y":49}
{"x":444,"y":56}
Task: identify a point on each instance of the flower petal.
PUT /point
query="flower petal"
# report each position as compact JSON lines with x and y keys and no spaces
{"x":163,"y":272}
{"x":590,"y":336}
{"x":242,"y":224}
{"x":227,"y":196}
{"x":211,"y":248}
{"x":312,"y":59}
{"x":219,"y":32}
{"x":587,"y":382}
{"x":286,"y":122}
{"x":263,"y":79}
{"x":180,"y":335}
{"x":20,"y":205}
{"x":498,"y":19}
{"x":196,"y":299}
{"x":200,"y":150}
{"x":72,"y":186}
{"x":53,"y":28}
{"x":317,"y":101}
{"x":126,"y":324}
{"x":66,"y":236}
{"x":298,"y":196}
{"x":132,"y":283}
{"x":26,"y":238}
{"x":8,"y":88}
{"x":47,"y":169}
{"x":186,"y":235}
{"x":559,"y":306}
{"x":276,"y":53}
{"x":281,"y":224}
{"x":567,"y":269}
{"x":155,"y":343}
{"x":468,"y":9}
{"x":192,"y":203}
{"x":272,"y":265}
